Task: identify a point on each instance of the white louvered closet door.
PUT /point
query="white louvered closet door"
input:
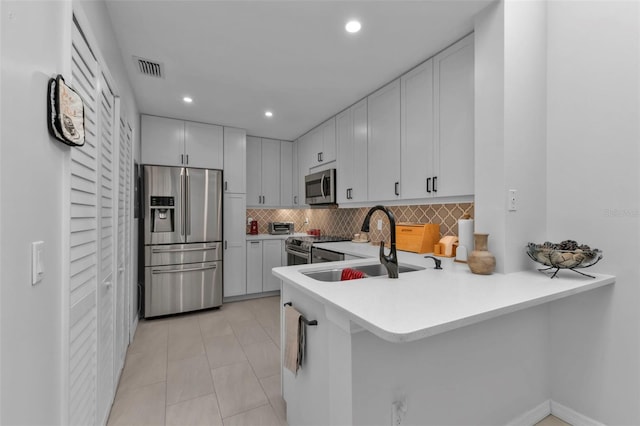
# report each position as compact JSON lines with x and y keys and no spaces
{"x":128,"y":298}
{"x":83,"y":250}
{"x":122,"y":282}
{"x":106,"y":126}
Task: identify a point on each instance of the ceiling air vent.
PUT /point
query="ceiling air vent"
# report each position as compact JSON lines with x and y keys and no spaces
{"x":149,"y":67}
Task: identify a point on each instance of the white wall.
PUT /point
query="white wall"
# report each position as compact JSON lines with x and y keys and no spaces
{"x":35,"y":45}
{"x":32,"y":208}
{"x":593,"y":197}
{"x":510,"y":128}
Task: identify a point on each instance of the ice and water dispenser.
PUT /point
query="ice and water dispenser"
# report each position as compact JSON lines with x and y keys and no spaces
{"x":162,"y":214}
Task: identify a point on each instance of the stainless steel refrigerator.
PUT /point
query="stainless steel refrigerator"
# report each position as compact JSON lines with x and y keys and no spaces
{"x":182,"y":239}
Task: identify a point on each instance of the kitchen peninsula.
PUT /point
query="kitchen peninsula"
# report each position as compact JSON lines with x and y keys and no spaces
{"x":421,"y":345}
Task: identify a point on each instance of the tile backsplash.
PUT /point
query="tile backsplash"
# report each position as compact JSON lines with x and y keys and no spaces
{"x":346,"y":222}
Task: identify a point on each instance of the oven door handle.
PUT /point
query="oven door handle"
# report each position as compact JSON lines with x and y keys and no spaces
{"x":296,"y":253}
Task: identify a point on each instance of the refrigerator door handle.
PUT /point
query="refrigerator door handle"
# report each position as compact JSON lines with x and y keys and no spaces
{"x":187,"y":197}
{"x":183,"y":249}
{"x":175,"y":271}
{"x":182,"y":204}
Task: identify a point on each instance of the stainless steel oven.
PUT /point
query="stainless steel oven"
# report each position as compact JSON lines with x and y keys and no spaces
{"x":296,"y":256}
{"x":300,"y":249}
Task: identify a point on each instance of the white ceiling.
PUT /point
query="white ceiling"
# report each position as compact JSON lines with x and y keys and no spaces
{"x":239,"y":58}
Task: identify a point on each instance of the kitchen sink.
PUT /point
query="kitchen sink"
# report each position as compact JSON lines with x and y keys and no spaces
{"x":374,"y":270}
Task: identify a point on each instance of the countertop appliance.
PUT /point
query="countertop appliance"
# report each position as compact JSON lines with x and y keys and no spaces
{"x":281,"y":228}
{"x":299,"y":248}
{"x":320,"y":187}
{"x":182,"y":239}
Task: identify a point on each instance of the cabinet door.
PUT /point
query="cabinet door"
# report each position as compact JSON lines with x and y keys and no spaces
{"x":359,"y":191}
{"x":271,"y":258}
{"x":162,"y":141}
{"x":254,"y":171}
{"x":384,"y":143}
{"x":286,"y":174}
{"x":328,"y":141}
{"x":203,"y":145}
{"x":305,"y":155}
{"x":235,"y":160}
{"x":454,"y":119}
{"x":314,"y":139}
{"x":345,"y":155}
{"x":416,"y":150}
{"x":235,"y":251}
{"x":295,"y":185}
{"x":270,"y":173}
{"x":254,"y":267}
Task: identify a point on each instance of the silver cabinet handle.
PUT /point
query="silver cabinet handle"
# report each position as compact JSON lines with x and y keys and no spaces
{"x":182,"y":250}
{"x":435,"y":184}
{"x":226,"y":185}
{"x":187,"y":157}
{"x":255,"y":242}
{"x":176,"y":271}
{"x":295,"y":199}
{"x":396,"y":188}
{"x":225,"y":244}
{"x":181,"y":158}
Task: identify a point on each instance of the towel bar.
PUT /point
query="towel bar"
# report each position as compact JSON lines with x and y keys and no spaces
{"x":304,"y":320}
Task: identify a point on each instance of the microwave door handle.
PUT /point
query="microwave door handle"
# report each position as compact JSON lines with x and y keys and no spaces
{"x":322,"y":186}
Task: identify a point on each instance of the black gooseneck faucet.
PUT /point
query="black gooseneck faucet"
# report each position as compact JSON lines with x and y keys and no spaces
{"x":391,"y":261}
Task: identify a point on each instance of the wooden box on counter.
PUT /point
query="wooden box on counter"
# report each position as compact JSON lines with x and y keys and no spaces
{"x":417,"y":237}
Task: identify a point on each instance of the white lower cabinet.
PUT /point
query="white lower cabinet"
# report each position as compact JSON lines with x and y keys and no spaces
{"x":262,"y":256}
{"x":235,"y":279}
{"x":254,"y":267}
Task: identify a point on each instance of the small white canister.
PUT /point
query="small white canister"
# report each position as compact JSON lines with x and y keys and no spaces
{"x":465,"y":238}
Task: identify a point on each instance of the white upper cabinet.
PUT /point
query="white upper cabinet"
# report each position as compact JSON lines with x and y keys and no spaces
{"x":263,"y":172}
{"x":417,"y":147}
{"x":286,"y":174}
{"x":295,"y":176}
{"x":384,"y":143}
{"x":235,"y":160}
{"x":322,"y":143}
{"x":305,"y":156}
{"x":203,"y":145}
{"x":454,"y":119}
{"x":351,"y":141}
{"x":162,"y":140}
{"x":170,"y":142}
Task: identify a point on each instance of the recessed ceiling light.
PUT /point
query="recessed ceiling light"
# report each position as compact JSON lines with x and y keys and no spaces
{"x":187,"y":99}
{"x":353,"y":26}
{"x":268,"y":114}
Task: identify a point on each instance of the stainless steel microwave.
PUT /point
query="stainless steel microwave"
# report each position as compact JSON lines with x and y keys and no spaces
{"x":320,"y":187}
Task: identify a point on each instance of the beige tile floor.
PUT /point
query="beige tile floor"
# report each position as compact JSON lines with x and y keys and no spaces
{"x":551,"y":421}
{"x":217,"y":367}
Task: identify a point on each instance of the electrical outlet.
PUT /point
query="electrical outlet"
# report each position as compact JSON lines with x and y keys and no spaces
{"x":249,"y":220}
{"x":306,"y":220}
{"x":512,"y":200}
{"x":379,"y":224}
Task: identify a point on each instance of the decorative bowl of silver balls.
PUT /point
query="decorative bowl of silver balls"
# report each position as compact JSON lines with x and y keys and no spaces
{"x":565,"y":255}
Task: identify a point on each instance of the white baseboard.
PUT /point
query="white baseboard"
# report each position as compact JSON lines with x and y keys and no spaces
{"x":571,"y":416}
{"x":532,"y":416}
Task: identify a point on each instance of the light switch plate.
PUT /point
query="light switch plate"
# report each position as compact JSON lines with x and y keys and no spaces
{"x":37,"y":262}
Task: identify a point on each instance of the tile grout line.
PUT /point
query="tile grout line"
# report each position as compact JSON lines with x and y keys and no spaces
{"x":213,"y":383}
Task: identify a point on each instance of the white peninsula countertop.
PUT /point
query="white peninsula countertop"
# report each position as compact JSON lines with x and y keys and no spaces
{"x":423,"y":303}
